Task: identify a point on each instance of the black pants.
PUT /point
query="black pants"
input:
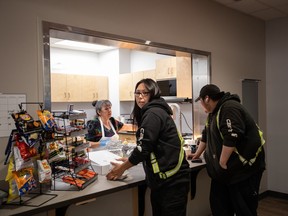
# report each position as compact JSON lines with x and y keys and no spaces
{"x":240,"y":198}
{"x":170,"y":201}
{"x":141,"y":199}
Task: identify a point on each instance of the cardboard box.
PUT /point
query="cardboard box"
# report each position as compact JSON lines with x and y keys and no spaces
{"x":101,"y":161}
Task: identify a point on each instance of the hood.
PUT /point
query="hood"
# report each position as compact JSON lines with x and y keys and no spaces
{"x":160,"y":103}
{"x":227,"y":96}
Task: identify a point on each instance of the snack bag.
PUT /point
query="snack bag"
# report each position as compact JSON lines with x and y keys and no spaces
{"x":19,"y":163}
{"x":26,"y":151}
{"x":55,"y":151}
{"x":31,"y":139}
{"x":13,"y":191}
{"x":47,"y":120}
{"x":25,"y":123}
{"x":73,"y":181}
{"x":24,"y":180}
{"x":44,"y":171}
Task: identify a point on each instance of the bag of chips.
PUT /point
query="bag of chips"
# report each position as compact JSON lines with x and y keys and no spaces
{"x":47,"y":120}
{"x":25,"y":123}
{"x":24,"y":180}
{"x":44,"y":171}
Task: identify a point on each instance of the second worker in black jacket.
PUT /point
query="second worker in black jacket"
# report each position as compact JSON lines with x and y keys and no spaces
{"x":234,"y":153}
{"x":160,"y":148}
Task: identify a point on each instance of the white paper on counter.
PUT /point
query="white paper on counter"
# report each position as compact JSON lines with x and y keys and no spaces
{"x":101,"y":162}
{"x":103,"y":157}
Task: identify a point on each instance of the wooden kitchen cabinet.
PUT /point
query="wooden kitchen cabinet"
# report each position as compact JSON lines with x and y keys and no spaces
{"x":184,"y":77}
{"x":78,"y":88}
{"x":149,"y":74}
{"x":166,"y":68}
{"x":126,"y":87}
{"x":127,"y":83}
{"x":94,"y":88}
{"x":58,"y":87}
{"x":178,"y":68}
{"x":65,"y":87}
{"x":74,"y":86}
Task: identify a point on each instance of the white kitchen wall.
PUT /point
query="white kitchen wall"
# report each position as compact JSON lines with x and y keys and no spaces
{"x":141,"y":61}
{"x":74,"y":61}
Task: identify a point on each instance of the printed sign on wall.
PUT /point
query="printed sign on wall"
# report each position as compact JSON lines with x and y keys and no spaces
{"x":9,"y":104}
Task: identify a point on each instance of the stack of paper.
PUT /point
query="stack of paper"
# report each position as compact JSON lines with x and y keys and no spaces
{"x":101,"y":161}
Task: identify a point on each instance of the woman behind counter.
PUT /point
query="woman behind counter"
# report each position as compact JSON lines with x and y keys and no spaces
{"x":103,"y":127}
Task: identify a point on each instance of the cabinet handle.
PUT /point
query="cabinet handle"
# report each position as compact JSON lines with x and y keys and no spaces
{"x":65,"y":95}
{"x":68,"y":95}
{"x":97,"y":95}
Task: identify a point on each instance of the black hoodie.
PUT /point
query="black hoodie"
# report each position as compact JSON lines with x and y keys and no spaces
{"x":160,"y":136}
{"x":238,"y":130}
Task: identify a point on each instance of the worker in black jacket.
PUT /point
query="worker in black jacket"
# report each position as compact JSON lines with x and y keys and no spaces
{"x":160,"y":148}
{"x":234,"y":153}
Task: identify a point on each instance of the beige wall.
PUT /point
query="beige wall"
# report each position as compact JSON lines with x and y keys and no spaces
{"x":236,"y":41}
{"x":277,"y":88}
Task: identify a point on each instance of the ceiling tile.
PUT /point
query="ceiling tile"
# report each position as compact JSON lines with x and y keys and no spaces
{"x":248,"y":6}
{"x":273,"y":2}
{"x":268,"y":14}
{"x":225,"y":2}
{"x":283,"y":8}
{"x":263,"y":9}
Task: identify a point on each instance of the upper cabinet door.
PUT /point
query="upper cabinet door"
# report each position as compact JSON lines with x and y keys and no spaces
{"x":58,"y":87}
{"x":74,"y":87}
{"x":126,"y":87}
{"x":166,"y":68}
{"x":89,"y":88}
{"x":78,"y":88}
{"x":184,"y":77}
{"x":94,"y":88}
{"x":65,"y":87}
{"x":149,"y":74}
{"x":102,"y":85}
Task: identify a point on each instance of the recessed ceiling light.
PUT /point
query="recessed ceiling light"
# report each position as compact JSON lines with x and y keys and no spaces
{"x":83,"y":45}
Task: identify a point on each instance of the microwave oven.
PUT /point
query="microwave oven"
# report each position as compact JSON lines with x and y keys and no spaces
{"x":168,"y":87}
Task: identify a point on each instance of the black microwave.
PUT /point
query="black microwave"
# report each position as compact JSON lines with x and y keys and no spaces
{"x":168,"y":87}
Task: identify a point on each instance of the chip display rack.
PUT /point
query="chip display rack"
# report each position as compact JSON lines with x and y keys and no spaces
{"x":74,"y":171}
{"x":26,"y":145}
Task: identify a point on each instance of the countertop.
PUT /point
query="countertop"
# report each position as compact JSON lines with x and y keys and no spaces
{"x":100,"y":187}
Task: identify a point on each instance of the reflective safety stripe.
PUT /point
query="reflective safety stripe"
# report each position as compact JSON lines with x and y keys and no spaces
{"x":241,"y":158}
{"x":169,"y":173}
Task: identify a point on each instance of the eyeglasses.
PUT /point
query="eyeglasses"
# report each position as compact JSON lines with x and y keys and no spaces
{"x":143,"y":94}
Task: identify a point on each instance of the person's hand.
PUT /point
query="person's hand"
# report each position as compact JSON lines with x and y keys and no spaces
{"x":223,"y":166}
{"x":116,"y":172}
{"x":123,"y":159}
{"x":93,"y":144}
{"x":191,"y":156}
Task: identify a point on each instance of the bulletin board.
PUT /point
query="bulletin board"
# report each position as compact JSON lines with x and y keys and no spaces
{"x":8,"y":105}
